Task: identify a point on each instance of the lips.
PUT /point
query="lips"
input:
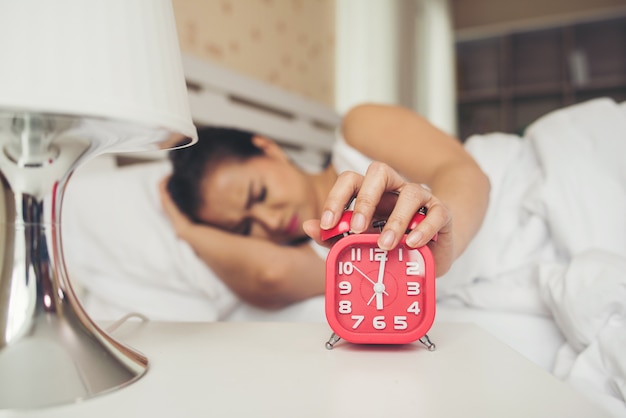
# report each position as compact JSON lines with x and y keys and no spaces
{"x":293,"y":224}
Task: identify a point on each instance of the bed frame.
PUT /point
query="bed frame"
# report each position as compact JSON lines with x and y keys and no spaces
{"x":219,"y":96}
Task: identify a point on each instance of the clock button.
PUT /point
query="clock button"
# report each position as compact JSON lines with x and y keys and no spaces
{"x":417,"y":218}
{"x":343,"y":227}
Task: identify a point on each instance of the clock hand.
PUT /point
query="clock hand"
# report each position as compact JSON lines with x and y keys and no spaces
{"x":381,"y":269}
{"x":379,"y":287}
{"x":368,"y":279}
{"x":363,"y":274}
{"x":379,"y":300}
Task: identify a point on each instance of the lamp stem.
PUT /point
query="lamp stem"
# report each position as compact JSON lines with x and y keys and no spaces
{"x":51,"y":352}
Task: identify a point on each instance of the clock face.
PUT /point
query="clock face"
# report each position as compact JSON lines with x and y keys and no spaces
{"x":379,"y":297}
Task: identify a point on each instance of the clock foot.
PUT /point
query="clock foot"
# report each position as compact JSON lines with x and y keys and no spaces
{"x":426,"y":341}
{"x":332,"y":341}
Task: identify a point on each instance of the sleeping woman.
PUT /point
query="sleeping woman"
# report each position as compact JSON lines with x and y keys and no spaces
{"x":254,"y":217}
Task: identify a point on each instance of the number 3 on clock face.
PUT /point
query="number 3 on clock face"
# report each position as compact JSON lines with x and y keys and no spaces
{"x":379,"y":297}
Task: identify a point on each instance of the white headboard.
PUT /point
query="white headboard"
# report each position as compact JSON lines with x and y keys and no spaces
{"x":218,"y":96}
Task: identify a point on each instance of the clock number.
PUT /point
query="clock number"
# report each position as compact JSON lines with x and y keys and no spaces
{"x":345,"y":306}
{"x":345,"y":287}
{"x":378,"y":322}
{"x":357,"y":320}
{"x":399,"y":322}
{"x":412,"y":288}
{"x":355,"y":254}
{"x":412,"y":268}
{"x":400,"y":254}
{"x":414,"y":308}
{"x":376,"y":254}
{"x":346,"y":267}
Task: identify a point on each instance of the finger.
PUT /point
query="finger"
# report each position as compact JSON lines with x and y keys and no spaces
{"x":341,"y":194}
{"x":168,"y":205}
{"x":378,"y":180}
{"x":411,"y":197}
{"x":312,"y":229}
{"x":166,"y":198}
{"x":163,"y":193}
{"x":438,"y":220}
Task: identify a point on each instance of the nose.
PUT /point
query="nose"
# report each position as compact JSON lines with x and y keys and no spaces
{"x":268,"y":217}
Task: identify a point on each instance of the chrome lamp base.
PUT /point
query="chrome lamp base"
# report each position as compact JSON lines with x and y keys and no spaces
{"x":51,"y":352}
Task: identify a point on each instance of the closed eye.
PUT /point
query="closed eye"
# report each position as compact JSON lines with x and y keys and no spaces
{"x":252,"y":198}
{"x":263,"y":195}
{"x":243,"y":228}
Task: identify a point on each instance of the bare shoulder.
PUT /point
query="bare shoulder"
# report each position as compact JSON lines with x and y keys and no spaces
{"x":366,"y":121}
{"x":380,"y":130}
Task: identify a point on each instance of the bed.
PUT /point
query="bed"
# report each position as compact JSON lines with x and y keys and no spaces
{"x":546,"y":274}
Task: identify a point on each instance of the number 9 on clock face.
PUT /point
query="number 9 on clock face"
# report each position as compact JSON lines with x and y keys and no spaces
{"x":379,"y":297}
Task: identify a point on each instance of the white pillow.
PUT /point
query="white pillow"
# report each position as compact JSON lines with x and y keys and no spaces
{"x":122,"y":250}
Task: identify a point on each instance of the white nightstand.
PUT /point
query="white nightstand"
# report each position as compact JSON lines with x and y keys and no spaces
{"x":283,"y":370}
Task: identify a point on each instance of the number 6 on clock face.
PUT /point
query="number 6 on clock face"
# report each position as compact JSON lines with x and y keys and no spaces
{"x":379,"y":297}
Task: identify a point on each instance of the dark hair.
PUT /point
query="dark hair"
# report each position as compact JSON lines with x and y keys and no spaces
{"x":191,"y":164}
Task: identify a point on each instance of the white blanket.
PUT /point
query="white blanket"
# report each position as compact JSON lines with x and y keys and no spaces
{"x":554,"y":239}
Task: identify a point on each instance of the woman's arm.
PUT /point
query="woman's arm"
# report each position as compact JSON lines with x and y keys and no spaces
{"x":260,"y":272}
{"x":403,"y":142}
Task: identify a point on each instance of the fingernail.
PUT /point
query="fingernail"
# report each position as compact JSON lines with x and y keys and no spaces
{"x":386,"y":240}
{"x":358,"y":222}
{"x":414,"y":238}
{"x":327,"y":219}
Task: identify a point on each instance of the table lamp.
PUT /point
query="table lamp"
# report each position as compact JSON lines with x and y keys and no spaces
{"x":78,"y":78}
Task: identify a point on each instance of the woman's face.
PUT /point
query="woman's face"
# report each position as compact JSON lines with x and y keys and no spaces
{"x":264,"y":196}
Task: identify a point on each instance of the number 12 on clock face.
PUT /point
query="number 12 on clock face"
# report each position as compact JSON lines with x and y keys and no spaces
{"x":379,"y":297}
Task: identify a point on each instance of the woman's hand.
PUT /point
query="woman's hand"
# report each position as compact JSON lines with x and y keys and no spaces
{"x":180,"y":222}
{"x":382,"y":192}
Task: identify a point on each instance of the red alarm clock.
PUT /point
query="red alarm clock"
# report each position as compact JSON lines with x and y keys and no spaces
{"x":375,"y":296}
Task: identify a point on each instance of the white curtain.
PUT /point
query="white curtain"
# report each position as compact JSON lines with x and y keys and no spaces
{"x":367,"y":52}
{"x":370,"y":52}
{"x":435,"y":83}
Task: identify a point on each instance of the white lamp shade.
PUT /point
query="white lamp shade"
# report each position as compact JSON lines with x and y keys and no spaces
{"x":111,"y":59}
